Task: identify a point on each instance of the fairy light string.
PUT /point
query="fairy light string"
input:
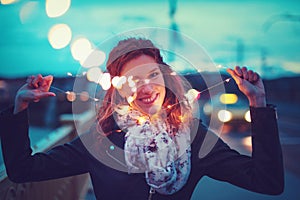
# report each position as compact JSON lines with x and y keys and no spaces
{"x":191,"y":95}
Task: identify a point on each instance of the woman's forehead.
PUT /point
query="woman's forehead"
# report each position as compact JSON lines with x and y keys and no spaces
{"x":139,"y":66}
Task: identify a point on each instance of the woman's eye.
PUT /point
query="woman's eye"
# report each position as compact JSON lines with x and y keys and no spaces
{"x":153,"y":75}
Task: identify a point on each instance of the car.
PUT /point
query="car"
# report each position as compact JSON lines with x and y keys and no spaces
{"x":230,"y":109}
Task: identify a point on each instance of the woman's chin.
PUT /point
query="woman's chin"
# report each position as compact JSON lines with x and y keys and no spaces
{"x":152,"y":110}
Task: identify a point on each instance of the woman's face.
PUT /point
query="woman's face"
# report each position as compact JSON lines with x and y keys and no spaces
{"x":146,"y":84}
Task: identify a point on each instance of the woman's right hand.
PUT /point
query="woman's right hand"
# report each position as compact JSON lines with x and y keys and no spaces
{"x":36,"y":88}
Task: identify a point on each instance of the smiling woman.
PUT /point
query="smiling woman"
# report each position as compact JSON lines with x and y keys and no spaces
{"x":145,"y":141}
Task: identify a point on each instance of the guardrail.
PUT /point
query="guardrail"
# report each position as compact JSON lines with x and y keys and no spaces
{"x":70,"y":188}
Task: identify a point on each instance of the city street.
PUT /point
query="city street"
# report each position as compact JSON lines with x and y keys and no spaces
{"x":288,"y":122}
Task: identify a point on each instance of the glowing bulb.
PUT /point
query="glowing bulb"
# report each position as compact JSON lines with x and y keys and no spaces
{"x":123,"y":79}
{"x":131,"y":83}
{"x":130,"y":99}
{"x":169,"y":106}
{"x":71,"y":96}
{"x":105,"y":81}
{"x":59,"y":36}
{"x":192,"y":95}
{"x":133,"y":89}
{"x":56,"y":8}
{"x":141,"y":120}
{"x":116,"y":82}
{"x":181,"y":118}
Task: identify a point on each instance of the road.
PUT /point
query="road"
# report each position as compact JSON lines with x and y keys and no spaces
{"x":289,"y":128}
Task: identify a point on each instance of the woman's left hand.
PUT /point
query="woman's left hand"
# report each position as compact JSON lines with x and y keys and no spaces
{"x":250,"y":84}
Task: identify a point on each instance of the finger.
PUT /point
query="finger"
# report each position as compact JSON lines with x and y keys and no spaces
{"x":29,"y":81}
{"x":250,"y":76}
{"x":255,"y":77}
{"x":245,"y":73}
{"x":42,"y":95}
{"x":47,"y":81}
{"x":234,"y":75}
{"x":238,"y":71}
{"x":37,"y":80}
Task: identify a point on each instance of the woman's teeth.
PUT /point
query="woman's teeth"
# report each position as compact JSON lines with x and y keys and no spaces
{"x":148,"y":100}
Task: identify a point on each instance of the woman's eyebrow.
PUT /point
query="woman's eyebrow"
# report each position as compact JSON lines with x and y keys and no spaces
{"x":153,"y":70}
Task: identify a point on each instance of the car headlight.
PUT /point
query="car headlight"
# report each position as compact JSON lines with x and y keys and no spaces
{"x":228,"y":98}
{"x":247,"y":116}
{"x":224,"y":115}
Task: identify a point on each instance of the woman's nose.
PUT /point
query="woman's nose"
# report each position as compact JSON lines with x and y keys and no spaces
{"x":146,"y":88}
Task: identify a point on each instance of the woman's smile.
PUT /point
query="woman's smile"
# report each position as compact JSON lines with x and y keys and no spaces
{"x":149,"y":99}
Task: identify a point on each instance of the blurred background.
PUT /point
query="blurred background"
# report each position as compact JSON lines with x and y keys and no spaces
{"x":55,"y":36}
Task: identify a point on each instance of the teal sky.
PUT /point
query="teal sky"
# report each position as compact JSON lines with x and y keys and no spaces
{"x":260,"y":34}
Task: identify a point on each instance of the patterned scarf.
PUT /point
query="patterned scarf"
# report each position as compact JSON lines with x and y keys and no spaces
{"x":151,"y":147}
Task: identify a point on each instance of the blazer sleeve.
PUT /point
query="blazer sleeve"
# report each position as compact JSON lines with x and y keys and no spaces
{"x":262,"y":172}
{"x":22,"y":166}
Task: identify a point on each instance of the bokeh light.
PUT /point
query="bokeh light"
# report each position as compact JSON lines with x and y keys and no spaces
{"x":6,"y":2}
{"x":228,"y":98}
{"x":247,"y":142}
{"x":56,"y":8}
{"x":71,"y":96}
{"x":192,"y":95}
{"x":224,"y":115}
{"x":105,"y":81}
{"x":94,"y":59}
{"x":81,"y":48}
{"x":94,"y":74}
{"x":84,"y":96}
{"x":248,"y":116}
{"x":118,"y":82}
{"x":59,"y":36}
{"x":27,"y":11}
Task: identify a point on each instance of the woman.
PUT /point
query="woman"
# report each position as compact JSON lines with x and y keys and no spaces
{"x":150,"y":118}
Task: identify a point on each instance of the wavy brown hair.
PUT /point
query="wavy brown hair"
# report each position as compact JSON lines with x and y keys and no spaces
{"x":125,"y":51}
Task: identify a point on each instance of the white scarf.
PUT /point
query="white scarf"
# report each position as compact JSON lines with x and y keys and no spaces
{"x":151,"y":147}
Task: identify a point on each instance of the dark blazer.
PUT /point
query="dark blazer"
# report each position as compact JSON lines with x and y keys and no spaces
{"x":262,"y":172}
